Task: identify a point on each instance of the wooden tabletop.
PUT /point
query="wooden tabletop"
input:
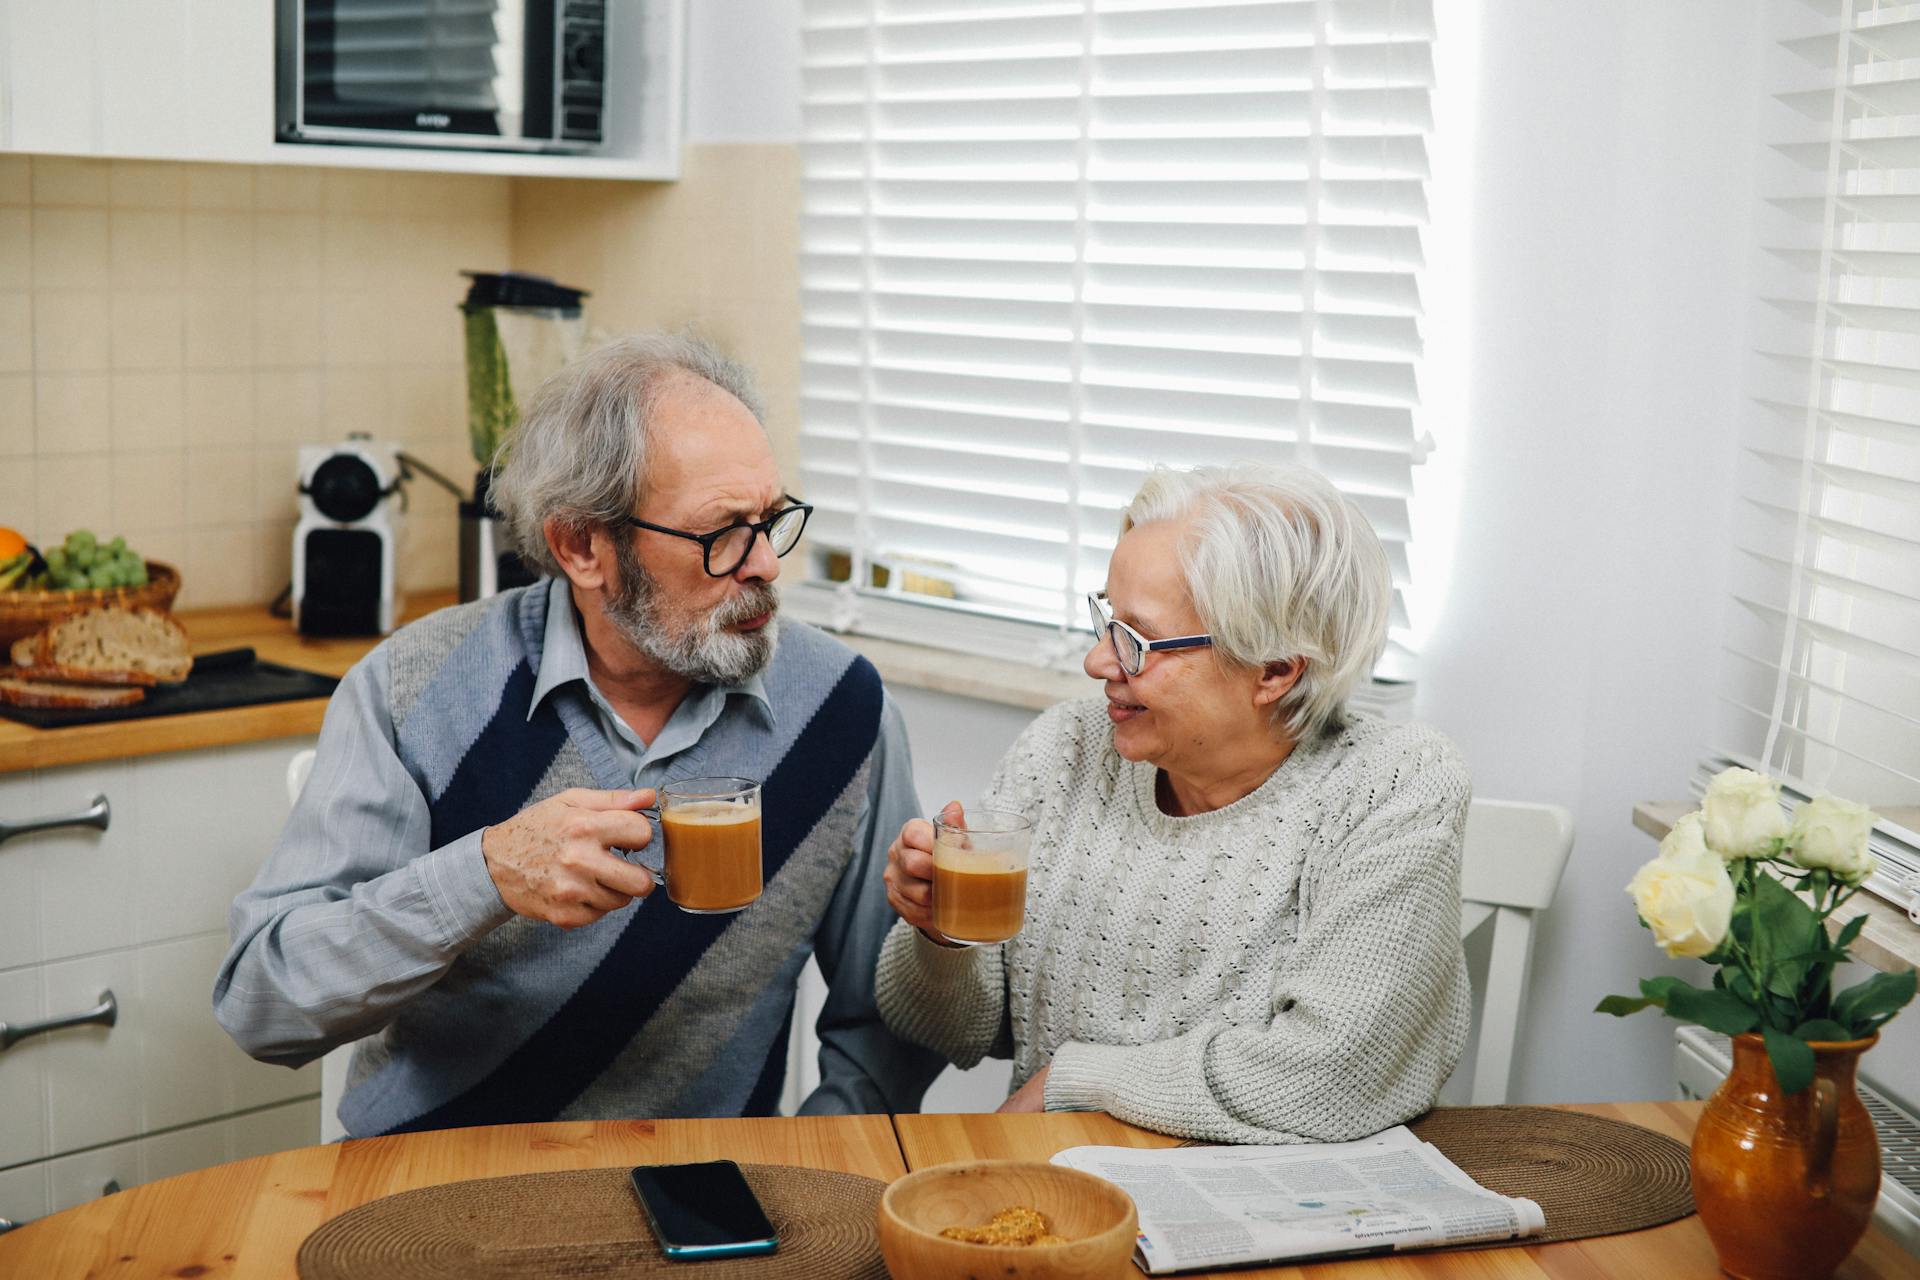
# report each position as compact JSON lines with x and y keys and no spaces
{"x":209,"y":630}
{"x":247,"y":1219}
{"x":1673,"y":1252}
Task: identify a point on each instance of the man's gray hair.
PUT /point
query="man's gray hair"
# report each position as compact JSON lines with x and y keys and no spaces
{"x":579,"y":452}
{"x":1280,"y":565}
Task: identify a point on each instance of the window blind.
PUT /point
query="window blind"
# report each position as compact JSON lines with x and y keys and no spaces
{"x":1822,"y":678}
{"x":1047,"y":245}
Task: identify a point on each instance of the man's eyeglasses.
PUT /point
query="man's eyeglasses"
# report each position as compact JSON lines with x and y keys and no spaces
{"x":1129,"y":645}
{"x":725,"y":550}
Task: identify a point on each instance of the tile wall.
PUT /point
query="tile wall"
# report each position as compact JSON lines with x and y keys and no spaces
{"x":171,"y":333}
{"x":717,"y":251}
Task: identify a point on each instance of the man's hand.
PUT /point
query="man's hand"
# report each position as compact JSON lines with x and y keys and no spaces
{"x":1031,"y":1096}
{"x":551,"y":861}
{"x":909,"y":874}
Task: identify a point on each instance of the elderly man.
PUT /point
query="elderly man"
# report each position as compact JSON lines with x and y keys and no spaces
{"x":453,"y":883}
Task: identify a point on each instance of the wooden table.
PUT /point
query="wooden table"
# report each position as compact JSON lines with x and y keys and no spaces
{"x":248,"y":1218}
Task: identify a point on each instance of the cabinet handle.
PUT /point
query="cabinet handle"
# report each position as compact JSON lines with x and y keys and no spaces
{"x":104,"y":1014}
{"x":97,"y":814}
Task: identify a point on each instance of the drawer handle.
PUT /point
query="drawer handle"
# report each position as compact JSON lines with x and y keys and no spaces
{"x":104,"y":1014}
{"x":96,"y":814}
{"x":8,"y":1224}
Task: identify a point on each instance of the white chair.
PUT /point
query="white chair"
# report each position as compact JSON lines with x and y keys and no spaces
{"x":333,"y":1067}
{"x":1510,"y":869}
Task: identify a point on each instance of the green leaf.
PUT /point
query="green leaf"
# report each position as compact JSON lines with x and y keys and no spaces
{"x":1740,"y":984}
{"x":1792,"y":1060}
{"x":1720,"y":1011}
{"x":1656,"y":990}
{"x":1866,"y":1006}
{"x":1821,"y":1029}
{"x":1784,"y":929}
{"x":1621,"y":1006}
{"x":1846,"y":936}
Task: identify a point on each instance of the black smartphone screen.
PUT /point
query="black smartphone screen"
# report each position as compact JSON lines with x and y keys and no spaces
{"x":702,"y":1209}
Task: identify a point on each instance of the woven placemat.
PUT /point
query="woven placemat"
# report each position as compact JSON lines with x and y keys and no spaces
{"x":1591,"y":1176}
{"x":586,"y":1222}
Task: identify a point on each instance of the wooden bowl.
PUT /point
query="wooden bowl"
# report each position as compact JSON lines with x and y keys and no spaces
{"x":22,"y":613}
{"x":1094,"y":1215}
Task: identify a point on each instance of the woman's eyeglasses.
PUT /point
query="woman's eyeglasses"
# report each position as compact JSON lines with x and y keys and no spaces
{"x":725,"y":550}
{"x":1129,"y":645}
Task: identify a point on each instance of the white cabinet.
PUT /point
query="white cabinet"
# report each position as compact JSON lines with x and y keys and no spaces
{"x":49,"y":1186}
{"x":194,"y":80}
{"x":139,"y":910}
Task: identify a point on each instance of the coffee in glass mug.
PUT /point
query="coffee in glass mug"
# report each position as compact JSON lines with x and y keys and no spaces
{"x":980,"y":876}
{"x":712,"y":831}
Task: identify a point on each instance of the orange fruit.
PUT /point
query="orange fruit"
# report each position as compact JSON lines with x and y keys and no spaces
{"x":11,"y":543}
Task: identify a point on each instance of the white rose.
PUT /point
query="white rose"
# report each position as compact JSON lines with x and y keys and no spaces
{"x":1687,"y":900}
{"x":1832,"y":833}
{"x":1687,"y":840}
{"x":1742,"y":814}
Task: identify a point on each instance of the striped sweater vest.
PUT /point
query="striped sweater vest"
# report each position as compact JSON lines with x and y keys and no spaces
{"x":650,"y":1011}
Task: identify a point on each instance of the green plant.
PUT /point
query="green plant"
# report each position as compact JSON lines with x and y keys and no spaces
{"x":1739,"y":886}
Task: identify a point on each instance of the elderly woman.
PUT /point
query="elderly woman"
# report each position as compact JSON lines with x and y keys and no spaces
{"x":1243,"y":903}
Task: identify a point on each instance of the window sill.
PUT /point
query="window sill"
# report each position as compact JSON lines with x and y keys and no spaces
{"x":968,"y":675}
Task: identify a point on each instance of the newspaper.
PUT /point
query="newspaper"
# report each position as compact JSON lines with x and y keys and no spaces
{"x":1207,"y":1207}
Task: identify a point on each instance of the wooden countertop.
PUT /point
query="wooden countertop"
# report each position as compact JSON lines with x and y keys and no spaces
{"x":208,"y":630}
{"x":247,"y":1218}
{"x":1888,"y":941}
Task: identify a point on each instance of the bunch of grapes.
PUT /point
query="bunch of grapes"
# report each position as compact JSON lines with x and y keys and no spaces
{"x":83,"y":561}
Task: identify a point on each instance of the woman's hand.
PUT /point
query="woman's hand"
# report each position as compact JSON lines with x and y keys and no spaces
{"x":910,"y":872}
{"x":1031,"y":1096}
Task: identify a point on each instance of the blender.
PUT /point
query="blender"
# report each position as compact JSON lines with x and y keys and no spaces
{"x":520,"y":330}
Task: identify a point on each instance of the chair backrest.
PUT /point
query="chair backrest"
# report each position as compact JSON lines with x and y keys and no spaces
{"x":1514,"y":855}
{"x":298,"y":769}
{"x":333,"y":1066}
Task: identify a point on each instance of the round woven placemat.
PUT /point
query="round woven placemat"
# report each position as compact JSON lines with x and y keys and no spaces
{"x":1591,"y":1176}
{"x":586,"y":1222}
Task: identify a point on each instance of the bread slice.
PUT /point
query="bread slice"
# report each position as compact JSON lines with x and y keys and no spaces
{"x":113,"y":645}
{"x":82,"y":697}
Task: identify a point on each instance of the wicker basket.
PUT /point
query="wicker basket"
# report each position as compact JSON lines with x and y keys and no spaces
{"x":22,"y":613}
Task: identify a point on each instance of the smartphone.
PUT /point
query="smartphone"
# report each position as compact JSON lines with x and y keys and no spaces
{"x":703,"y":1210}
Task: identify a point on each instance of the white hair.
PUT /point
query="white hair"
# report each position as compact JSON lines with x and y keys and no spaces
{"x":578,"y":454}
{"x":1280,"y":566}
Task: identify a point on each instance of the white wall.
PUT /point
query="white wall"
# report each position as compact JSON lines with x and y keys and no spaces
{"x":743,"y":70}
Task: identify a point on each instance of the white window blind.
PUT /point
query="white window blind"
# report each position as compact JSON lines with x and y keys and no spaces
{"x":1822,"y":677}
{"x":1047,"y":245}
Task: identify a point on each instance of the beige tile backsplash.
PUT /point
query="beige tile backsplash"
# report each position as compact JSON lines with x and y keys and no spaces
{"x":171,"y":333}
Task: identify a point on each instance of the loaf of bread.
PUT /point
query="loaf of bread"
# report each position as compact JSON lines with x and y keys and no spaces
{"x":109,"y":645}
{"x":49,"y":693}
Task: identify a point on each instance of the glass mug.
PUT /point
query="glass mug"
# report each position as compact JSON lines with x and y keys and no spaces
{"x":980,"y":876}
{"x":711,"y":828}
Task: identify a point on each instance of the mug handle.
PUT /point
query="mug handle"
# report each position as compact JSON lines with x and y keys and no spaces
{"x":658,"y":873}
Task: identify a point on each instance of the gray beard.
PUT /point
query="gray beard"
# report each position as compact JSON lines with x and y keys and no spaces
{"x":702,"y":651}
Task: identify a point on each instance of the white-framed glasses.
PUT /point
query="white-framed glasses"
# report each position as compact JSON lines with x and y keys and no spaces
{"x":1129,"y":645}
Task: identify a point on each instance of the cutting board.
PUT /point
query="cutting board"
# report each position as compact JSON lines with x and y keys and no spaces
{"x":229,"y":678}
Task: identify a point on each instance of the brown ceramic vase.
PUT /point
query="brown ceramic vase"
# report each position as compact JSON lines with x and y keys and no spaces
{"x":1786,"y":1184}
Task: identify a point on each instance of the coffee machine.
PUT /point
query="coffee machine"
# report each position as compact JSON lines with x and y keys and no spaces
{"x":344,"y":547}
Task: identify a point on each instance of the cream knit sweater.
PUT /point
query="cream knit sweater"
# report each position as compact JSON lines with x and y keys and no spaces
{"x":1285,"y":969}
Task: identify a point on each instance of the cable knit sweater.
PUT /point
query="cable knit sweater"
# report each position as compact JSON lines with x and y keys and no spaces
{"x":1284,"y":969}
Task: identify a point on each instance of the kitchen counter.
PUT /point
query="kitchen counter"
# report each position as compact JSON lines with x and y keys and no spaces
{"x":208,"y":630}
